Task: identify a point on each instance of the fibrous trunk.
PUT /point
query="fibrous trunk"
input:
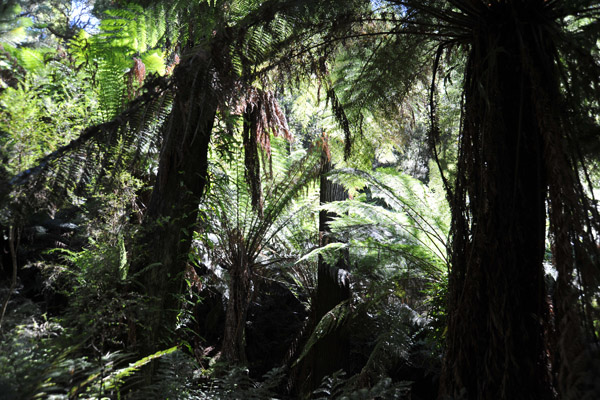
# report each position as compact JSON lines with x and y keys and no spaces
{"x":240,"y":294}
{"x":163,"y":246}
{"x":330,"y":352}
{"x":498,"y":305}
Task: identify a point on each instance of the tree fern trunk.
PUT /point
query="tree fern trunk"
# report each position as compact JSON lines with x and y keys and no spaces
{"x":233,"y":349}
{"x":496,"y":345}
{"x":163,"y":247}
{"x":331,"y":352}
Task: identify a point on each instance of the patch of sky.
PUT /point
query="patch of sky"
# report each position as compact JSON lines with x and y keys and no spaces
{"x":384,"y":5}
{"x":81,"y":16}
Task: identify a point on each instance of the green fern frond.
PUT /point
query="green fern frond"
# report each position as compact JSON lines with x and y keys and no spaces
{"x":231,"y":198}
{"x":108,"y":56}
{"x":397,"y":221}
{"x":114,"y":145}
{"x":338,"y":386}
{"x":236,"y":384}
{"x":332,"y":386}
{"x":108,"y":381}
{"x":331,"y":321}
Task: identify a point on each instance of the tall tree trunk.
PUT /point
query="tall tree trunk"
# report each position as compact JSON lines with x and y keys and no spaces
{"x":331,"y":352}
{"x":496,"y":345}
{"x":163,"y":247}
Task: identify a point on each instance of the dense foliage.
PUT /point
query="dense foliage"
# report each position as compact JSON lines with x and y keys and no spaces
{"x":299,"y":199}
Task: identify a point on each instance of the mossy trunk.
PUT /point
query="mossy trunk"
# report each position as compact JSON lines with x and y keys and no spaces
{"x":498,"y":313}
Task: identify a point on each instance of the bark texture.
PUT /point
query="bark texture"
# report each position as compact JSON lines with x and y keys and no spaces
{"x":498,"y":305}
{"x":332,"y":351}
{"x":240,"y":294}
{"x":164,"y":245}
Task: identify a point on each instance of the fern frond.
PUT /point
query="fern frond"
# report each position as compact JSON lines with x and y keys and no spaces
{"x":117,"y":144}
{"x":340,"y":115}
{"x":399,"y":222}
{"x":232,"y":199}
{"x":114,"y":379}
{"x":330,"y":322}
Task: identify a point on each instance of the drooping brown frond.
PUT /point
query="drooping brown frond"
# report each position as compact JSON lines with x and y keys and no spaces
{"x":274,"y":117}
{"x":250,"y":139}
{"x":262,"y":116}
{"x":135,"y":77}
{"x":139,"y":70}
{"x":269,"y":117}
{"x":575,"y":254}
{"x":322,"y":144}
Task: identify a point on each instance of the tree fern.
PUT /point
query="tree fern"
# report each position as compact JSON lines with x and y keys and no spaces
{"x":129,"y":135}
{"x":396,"y":236}
{"x":249,"y":243}
{"x":518,"y":164}
{"x":110,"y":55}
{"x":122,"y":142}
{"x":397,"y":222}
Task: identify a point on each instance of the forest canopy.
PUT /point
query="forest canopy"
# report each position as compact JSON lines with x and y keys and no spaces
{"x":237,"y":199}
